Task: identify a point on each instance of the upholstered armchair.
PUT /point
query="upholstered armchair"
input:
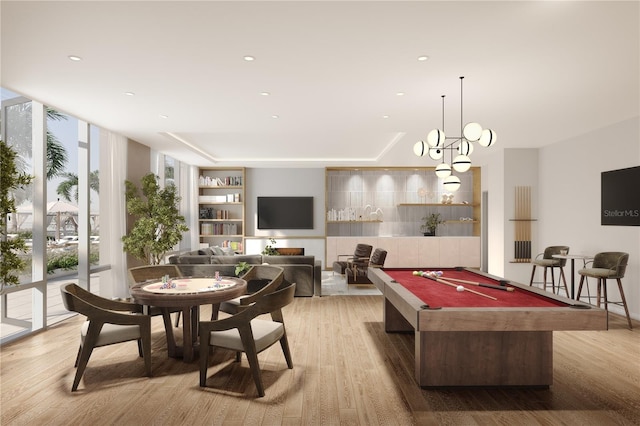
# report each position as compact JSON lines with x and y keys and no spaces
{"x":357,"y":274}
{"x":359,"y":257}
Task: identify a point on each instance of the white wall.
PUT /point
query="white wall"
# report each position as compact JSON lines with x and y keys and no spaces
{"x":569,"y":201}
{"x":493,"y":184}
{"x":284,"y":182}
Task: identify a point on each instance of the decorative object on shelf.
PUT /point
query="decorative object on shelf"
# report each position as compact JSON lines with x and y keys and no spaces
{"x":372,"y":215}
{"x":437,"y":144}
{"x":431,"y":222}
{"x":447,"y":199}
{"x":269,"y":249}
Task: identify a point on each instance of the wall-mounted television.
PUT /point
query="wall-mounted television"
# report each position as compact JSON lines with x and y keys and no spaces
{"x":620,"y":197}
{"x":285,"y":212}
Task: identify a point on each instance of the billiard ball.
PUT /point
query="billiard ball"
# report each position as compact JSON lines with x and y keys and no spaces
{"x":460,"y":288}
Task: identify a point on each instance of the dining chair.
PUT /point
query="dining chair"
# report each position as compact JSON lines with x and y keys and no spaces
{"x":604,"y":266}
{"x":360,"y":255}
{"x":261,"y":279}
{"x":108,"y":322}
{"x":243,"y":332}
{"x":141,"y":274}
{"x":547,"y":261}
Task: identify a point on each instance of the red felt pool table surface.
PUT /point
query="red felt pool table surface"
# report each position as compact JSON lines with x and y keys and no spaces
{"x":510,"y":339}
{"x":435,"y":293}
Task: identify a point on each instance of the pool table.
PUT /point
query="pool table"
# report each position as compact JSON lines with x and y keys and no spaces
{"x":463,"y":338}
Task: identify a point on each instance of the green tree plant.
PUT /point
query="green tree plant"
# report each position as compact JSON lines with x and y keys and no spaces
{"x":11,"y":178}
{"x":159,"y":225}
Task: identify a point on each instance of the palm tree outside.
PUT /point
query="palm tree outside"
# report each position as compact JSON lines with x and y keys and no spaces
{"x":70,"y":185}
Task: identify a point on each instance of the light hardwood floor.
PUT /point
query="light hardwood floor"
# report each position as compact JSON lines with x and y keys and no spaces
{"x":347,"y":371}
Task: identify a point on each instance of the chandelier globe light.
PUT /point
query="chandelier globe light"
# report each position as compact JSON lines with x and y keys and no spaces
{"x":452,"y":183}
{"x":443,"y":170}
{"x":437,"y":146}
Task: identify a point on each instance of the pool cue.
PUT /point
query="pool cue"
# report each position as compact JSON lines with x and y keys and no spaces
{"x":496,"y":287}
{"x":441,"y":281}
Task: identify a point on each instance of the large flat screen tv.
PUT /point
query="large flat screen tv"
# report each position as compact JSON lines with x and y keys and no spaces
{"x":620,"y":199}
{"x":285,"y":212}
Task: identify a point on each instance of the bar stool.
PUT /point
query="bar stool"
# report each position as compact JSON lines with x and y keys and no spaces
{"x":548,"y":261}
{"x":607,"y":265}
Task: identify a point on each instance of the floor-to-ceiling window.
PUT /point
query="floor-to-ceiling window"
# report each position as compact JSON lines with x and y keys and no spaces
{"x":63,"y":153}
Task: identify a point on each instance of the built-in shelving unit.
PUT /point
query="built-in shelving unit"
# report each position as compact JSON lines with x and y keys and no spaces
{"x":396,"y":199}
{"x":354,"y":221}
{"x":221,"y":207}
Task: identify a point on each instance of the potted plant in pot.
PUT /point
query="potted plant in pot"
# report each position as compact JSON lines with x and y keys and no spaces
{"x":430,"y":224}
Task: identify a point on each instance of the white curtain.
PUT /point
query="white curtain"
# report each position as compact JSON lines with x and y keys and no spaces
{"x":189,"y":194}
{"x":113,"y":216}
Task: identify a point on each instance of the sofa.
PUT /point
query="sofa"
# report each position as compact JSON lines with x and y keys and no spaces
{"x":305,"y":271}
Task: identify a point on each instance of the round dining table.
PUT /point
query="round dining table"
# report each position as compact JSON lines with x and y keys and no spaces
{"x":187,"y":294}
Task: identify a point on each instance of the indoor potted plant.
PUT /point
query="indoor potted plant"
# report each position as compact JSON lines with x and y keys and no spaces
{"x":159,"y":225}
{"x":269,"y":249}
{"x":430,"y":224}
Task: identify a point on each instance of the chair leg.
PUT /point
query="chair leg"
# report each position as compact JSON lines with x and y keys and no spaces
{"x":606,"y":299}
{"x":553,"y":282}
{"x":284,"y":343}
{"x":564,"y":281}
{"x":204,"y":360}
{"x":145,"y":341}
{"x":252,"y":357}
{"x":599,"y":290}
{"x":178,"y":319}
{"x":533,"y":273}
{"x":624,"y":303}
{"x":580,"y":287}
{"x":89,"y":343}
{"x":75,"y":364}
{"x":544,"y":278}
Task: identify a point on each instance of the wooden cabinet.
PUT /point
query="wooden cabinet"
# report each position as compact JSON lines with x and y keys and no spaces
{"x":221,"y":207}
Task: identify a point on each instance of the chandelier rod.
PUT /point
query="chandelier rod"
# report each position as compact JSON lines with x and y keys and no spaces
{"x":461,"y":121}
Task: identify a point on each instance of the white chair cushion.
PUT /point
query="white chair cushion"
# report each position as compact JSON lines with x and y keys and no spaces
{"x":230,"y":306}
{"x":113,"y":333}
{"x":265,"y":333}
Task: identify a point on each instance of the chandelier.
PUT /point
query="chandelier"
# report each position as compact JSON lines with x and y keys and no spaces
{"x":437,"y":144}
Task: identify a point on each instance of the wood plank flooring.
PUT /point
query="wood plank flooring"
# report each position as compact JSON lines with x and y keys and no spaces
{"x":347,"y":371}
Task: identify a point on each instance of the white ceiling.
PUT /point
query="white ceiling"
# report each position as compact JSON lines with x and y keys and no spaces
{"x":535,"y":72}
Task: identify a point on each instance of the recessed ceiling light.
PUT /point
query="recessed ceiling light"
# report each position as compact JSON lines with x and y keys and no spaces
{"x":249,"y":58}
{"x":265,"y":93}
{"x":75,"y":58}
{"x":385,"y":116}
{"x":400,"y":94}
{"x":423,"y":58}
{"x":129,"y":93}
{"x":164,"y":116}
{"x":275,"y":116}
